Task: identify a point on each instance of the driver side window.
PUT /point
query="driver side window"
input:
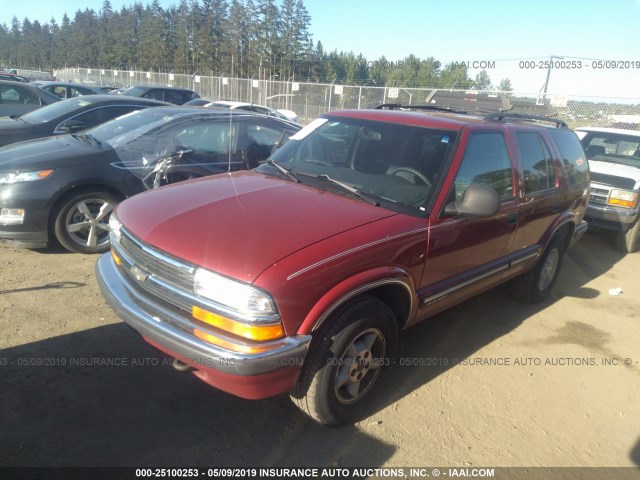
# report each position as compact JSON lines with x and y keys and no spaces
{"x":217,"y":138}
{"x":486,"y":162}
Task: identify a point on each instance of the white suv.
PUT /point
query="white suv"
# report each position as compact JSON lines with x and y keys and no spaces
{"x":252,"y":107}
{"x":614,"y":160}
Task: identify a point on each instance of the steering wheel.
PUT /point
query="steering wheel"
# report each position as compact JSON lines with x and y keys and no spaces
{"x":416,"y":173}
{"x":311,"y":152}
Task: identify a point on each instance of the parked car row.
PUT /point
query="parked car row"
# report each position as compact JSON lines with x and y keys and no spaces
{"x":69,"y":116}
{"x":62,"y":188}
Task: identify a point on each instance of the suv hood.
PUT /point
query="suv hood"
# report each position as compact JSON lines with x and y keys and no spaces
{"x":615,"y":169}
{"x":239,"y":224}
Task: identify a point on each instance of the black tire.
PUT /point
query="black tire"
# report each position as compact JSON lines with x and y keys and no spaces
{"x":359,"y":340}
{"x":629,"y":241}
{"x":535,"y":285}
{"x":81,"y":222}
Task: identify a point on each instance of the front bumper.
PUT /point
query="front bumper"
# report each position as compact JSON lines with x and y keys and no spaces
{"x":263,"y":374}
{"x":610,"y":217}
{"x":34,"y":199}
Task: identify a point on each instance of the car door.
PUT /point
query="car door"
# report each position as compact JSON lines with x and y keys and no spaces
{"x":538,"y":193}
{"x":469,"y":254}
{"x":210,"y":147}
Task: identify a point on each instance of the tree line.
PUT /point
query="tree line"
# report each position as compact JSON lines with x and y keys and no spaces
{"x":236,"y":38}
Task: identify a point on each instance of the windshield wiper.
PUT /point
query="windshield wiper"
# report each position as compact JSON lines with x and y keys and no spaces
{"x":286,"y":172}
{"x":349,"y":189}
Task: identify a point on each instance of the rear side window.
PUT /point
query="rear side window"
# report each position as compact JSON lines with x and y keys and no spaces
{"x":11,"y":94}
{"x":100,"y":115}
{"x":154,"y":94}
{"x":536,"y":161}
{"x":573,"y":156}
{"x":486,"y":162}
{"x":213,"y":138}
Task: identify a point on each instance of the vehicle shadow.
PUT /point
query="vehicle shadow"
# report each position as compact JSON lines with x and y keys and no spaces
{"x":429,"y":349}
{"x":103,"y":397}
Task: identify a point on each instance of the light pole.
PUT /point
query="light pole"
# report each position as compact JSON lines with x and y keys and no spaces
{"x":546,"y":83}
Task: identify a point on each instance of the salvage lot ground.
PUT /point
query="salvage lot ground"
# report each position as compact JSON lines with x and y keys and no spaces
{"x":562,"y":389}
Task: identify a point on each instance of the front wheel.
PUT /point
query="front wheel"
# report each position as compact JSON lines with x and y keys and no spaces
{"x":82,"y":222}
{"x":345,"y":363}
{"x":629,"y":240}
{"x":535,"y":285}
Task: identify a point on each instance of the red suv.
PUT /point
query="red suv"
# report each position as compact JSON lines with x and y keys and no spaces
{"x":297,"y":276}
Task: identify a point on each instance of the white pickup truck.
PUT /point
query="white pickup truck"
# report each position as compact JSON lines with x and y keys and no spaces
{"x":614,"y":160}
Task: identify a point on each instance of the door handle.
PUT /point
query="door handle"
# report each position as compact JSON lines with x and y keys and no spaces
{"x":512,"y":219}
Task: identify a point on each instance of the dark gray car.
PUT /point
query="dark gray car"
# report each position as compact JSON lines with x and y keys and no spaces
{"x":69,"y":116}
{"x":67,"y":89}
{"x":18,"y":98}
{"x":175,"y":95}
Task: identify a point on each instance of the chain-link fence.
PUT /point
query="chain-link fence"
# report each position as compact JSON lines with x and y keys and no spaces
{"x":309,"y":100}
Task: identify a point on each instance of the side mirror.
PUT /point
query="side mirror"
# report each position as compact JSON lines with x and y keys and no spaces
{"x":72,"y":126}
{"x":477,"y":200}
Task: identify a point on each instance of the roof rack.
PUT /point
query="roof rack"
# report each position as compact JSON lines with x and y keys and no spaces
{"x":475,"y":102}
{"x":503,"y":116}
{"x":439,"y":108}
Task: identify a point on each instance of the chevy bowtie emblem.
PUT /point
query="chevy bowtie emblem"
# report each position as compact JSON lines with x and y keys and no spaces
{"x":138,"y":274}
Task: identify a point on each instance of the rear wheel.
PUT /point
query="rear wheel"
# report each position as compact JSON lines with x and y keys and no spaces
{"x":344,"y":365}
{"x":629,"y":241}
{"x":81,"y":222}
{"x":535,"y":285}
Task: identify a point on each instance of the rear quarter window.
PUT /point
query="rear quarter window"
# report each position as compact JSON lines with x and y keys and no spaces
{"x":572,"y":154}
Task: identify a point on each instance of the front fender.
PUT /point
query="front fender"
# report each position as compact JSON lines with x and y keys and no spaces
{"x":373,"y":281}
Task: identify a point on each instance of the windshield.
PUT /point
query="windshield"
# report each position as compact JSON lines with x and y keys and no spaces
{"x":391,"y":165}
{"x":613,"y":148}
{"x":53,"y":111}
{"x":120,"y":131}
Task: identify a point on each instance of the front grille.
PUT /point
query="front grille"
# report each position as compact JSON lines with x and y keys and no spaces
{"x":156,"y":263}
{"x":599,"y":195}
{"x":167,"y":279}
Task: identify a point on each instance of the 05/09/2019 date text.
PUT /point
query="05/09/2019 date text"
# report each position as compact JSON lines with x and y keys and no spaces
{"x":579,"y":64}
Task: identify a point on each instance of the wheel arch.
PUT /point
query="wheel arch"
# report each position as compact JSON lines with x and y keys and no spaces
{"x":392,"y":286}
{"x":564,"y":231}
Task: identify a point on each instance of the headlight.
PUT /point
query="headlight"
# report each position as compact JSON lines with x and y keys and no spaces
{"x":114,"y":226}
{"x":18,"y":177}
{"x":240,"y":297}
{"x":623,"y":198}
